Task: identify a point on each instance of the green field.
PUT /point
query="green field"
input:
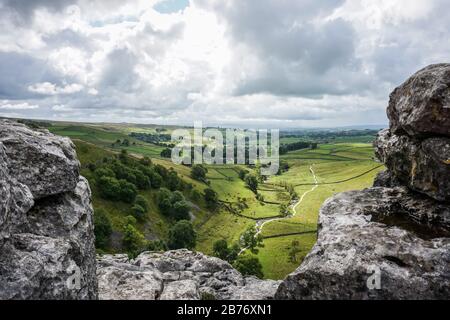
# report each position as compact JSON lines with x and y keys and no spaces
{"x":338,"y":166}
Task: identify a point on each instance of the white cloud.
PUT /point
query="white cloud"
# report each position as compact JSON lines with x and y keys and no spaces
{"x":7,"y":105}
{"x":47,"y":88}
{"x":287,"y":63}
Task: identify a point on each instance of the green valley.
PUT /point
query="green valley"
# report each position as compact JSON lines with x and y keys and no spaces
{"x":284,"y":210}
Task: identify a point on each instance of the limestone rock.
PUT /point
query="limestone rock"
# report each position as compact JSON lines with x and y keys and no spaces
{"x":45,"y":163}
{"x":46,"y":227}
{"x":421,"y":105}
{"x":388,"y":230}
{"x":181,"y":290}
{"x":176,"y":275}
{"x":422,"y":165}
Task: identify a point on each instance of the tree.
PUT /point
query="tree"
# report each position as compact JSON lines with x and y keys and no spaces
{"x":242,"y":174}
{"x":133,"y":241}
{"x":211,"y":198}
{"x":198,"y":172}
{"x":142,"y":181}
{"x":249,"y":266}
{"x":294,"y":250}
{"x":145,"y":161}
{"x":177,"y":196}
{"x":164,"y":200}
{"x":109,"y":187}
{"x":166,"y":153}
{"x":173,"y":181}
{"x":251,"y":240}
{"x":284,"y":210}
{"x":180,"y":210}
{"x":156,"y":180}
{"x":195,"y":195}
{"x":128,"y":191}
{"x":123,"y":156}
{"x":252,"y":182}
{"x":222,"y":251}
{"x":138,"y":212}
{"x":102,"y":229}
{"x":104,"y":172}
{"x":182,"y":235}
{"x":141,"y":201}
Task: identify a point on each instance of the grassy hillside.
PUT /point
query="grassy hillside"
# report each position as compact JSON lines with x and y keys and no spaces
{"x":337,"y":166}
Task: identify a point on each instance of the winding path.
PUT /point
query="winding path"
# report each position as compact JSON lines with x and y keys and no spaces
{"x":261,"y":222}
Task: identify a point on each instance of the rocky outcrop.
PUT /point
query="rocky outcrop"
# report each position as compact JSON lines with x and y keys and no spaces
{"x":176,"y":275}
{"x":391,"y":241}
{"x":421,"y":164}
{"x":385,"y":229}
{"x":421,"y":105}
{"x":46,"y":218}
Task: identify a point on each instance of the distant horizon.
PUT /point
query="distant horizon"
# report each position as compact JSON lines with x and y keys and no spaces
{"x":206,"y":125}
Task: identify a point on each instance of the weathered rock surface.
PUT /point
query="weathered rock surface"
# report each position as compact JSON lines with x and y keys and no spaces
{"x":46,"y":225}
{"x":422,"y":165}
{"x":386,"y":179}
{"x":176,"y":275}
{"x":45,"y":163}
{"x":379,"y":228}
{"x":421,"y":105}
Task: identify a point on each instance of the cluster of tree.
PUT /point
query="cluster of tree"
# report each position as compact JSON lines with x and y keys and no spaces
{"x":125,"y":143}
{"x":325,"y":135}
{"x":156,"y":139}
{"x":173,"y":204}
{"x":181,"y":235}
{"x":285,"y":148}
{"x":120,"y":179}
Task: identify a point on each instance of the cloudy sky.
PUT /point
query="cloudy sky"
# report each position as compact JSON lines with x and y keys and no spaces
{"x":275,"y":63}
